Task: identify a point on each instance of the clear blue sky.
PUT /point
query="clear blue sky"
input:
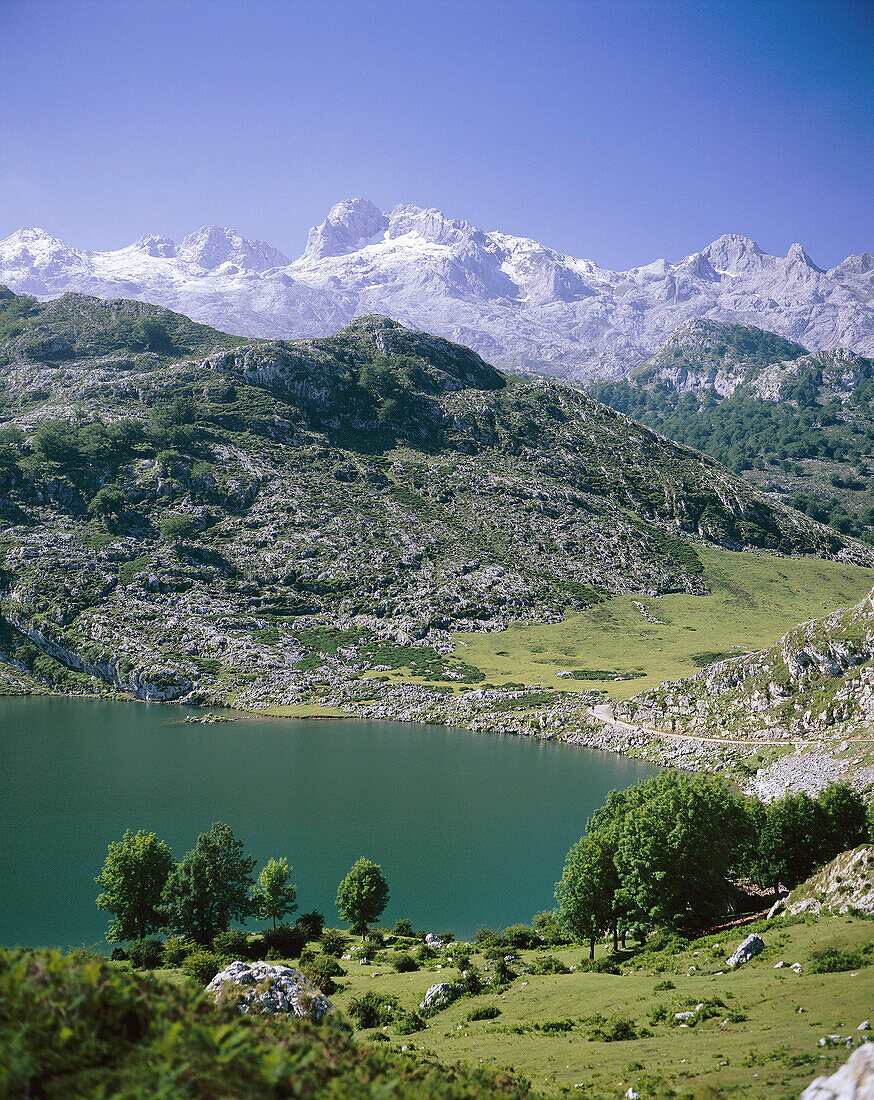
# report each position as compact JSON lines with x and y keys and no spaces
{"x":611,"y":129}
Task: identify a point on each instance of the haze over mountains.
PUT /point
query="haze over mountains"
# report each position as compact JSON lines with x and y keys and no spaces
{"x":520,"y":304}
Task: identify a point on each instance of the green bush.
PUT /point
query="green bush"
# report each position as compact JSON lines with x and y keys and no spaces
{"x":470,"y":983}
{"x":600,"y":966}
{"x":403,"y":962}
{"x":321,"y":971}
{"x":286,"y":940}
{"x":615,"y":1030}
{"x":503,"y":975}
{"x":202,"y":965}
{"x":407,"y":1023}
{"x":548,"y":964}
{"x":334,"y":942}
{"x":176,"y":950}
{"x":521,"y":937}
{"x":836,"y":960}
{"x":404,"y":928}
{"x":311,"y":924}
{"x":146,"y":954}
{"x":233,"y":944}
{"x":484,"y":1012}
{"x":89,"y":1030}
{"x":373,"y":1009}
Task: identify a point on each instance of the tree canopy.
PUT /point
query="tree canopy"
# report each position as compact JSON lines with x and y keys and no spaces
{"x":210,"y":887}
{"x":362,"y":895}
{"x":133,"y":879}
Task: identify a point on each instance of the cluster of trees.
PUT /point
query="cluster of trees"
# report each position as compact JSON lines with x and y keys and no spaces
{"x":198,"y":897}
{"x":666,"y":852}
{"x":744,"y":433}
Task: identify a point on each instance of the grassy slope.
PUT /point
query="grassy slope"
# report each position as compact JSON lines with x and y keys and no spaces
{"x":753,"y":1057}
{"x":755,"y":598}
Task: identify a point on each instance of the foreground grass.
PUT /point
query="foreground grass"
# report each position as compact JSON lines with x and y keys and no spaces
{"x":754,"y":600}
{"x":769,"y":1045}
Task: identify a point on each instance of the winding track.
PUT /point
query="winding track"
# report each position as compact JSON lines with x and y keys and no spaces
{"x":601,"y":713}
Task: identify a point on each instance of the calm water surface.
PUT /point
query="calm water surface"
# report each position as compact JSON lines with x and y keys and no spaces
{"x":470,"y":829}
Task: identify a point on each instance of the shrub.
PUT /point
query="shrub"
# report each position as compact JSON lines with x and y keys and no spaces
{"x":176,"y":950}
{"x":660,"y":987}
{"x":333,"y":942}
{"x":461,"y":960}
{"x":311,"y":924}
{"x":425,"y":953}
{"x":146,"y":954}
{"x":404,"y":963}
{"x":470,"y":983}
{"x":503,"y":975}
{"x":233,"y":944}
{"x":615,"y":1030}
{"x":119,"y":954}
{"x":548,"y":925}
{"x":285,"y":940}
{"x":406,"y":1023}
{"x":835,"y":960}
{"x":202,"y":965}
{"x":600,"y":966}
{"x":404,"y":928}
{"x":321,"y":971}
{"x":548,"y":964}
{"x":521,"y":937}
{"x":484,"y":1012}
{"x":90,"y":1030}
{"x":373,"y":1009}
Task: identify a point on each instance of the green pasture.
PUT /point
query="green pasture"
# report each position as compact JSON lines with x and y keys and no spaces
{"x":769,"y":1046}
{"x":754,"y":599}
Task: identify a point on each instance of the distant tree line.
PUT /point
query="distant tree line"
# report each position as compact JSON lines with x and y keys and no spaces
{"x":667,"y":851}
{"x":745,"y":432}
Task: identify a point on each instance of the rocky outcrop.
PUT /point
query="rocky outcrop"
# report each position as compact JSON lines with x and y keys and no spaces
{"x":818,"y":678}
{"x":748,"y":949}
{"x":262,"y":988}
{"x":438,"y":996}
{"x":853,"y":1081}
{"x":845,"y":884}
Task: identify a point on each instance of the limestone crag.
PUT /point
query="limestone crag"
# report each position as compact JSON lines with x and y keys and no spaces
{"x":260,"y":987}
{"x":853,"y":1081}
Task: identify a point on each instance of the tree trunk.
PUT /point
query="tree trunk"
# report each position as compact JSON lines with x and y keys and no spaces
{"x":624,"y":937}
{"x":591,"y":947}
{"x":615,"y":939}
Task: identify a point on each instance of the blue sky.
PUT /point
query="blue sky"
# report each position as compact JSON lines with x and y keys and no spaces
{"x":611,"y":129}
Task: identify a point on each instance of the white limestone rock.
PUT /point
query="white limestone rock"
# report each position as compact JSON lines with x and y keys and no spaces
{"x":274,"y":990}
{"x":753,"y":945}
{"x":853,"y":1081}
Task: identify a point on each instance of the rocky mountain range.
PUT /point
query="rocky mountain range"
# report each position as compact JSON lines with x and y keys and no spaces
{"x":190,"y":516}
{"x":522,"y":305}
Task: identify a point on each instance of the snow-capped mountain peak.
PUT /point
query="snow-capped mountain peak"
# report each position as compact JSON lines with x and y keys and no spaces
{"x":517,"y":302}
{"x":212,"y":246}
{"x":347,"y":226}
{"x":150,"y":244}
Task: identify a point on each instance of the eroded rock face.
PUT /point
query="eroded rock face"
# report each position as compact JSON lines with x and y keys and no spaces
{"x":753,"y":945}
{"x":275,"y":990}
{"x":853,"y":1081}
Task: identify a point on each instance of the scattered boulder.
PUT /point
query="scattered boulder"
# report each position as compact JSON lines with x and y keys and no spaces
{"x":753,"y":945}
{"x":259,"y":987}
{"x":438,"y":996}
{"x":853,"y":1081}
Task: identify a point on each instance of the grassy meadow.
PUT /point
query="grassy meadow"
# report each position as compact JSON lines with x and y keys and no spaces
{"x":762,"y":1038}
{"x":754,"y":599}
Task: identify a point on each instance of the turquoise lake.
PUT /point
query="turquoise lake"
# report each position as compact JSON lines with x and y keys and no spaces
{"x":470,"y":829}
